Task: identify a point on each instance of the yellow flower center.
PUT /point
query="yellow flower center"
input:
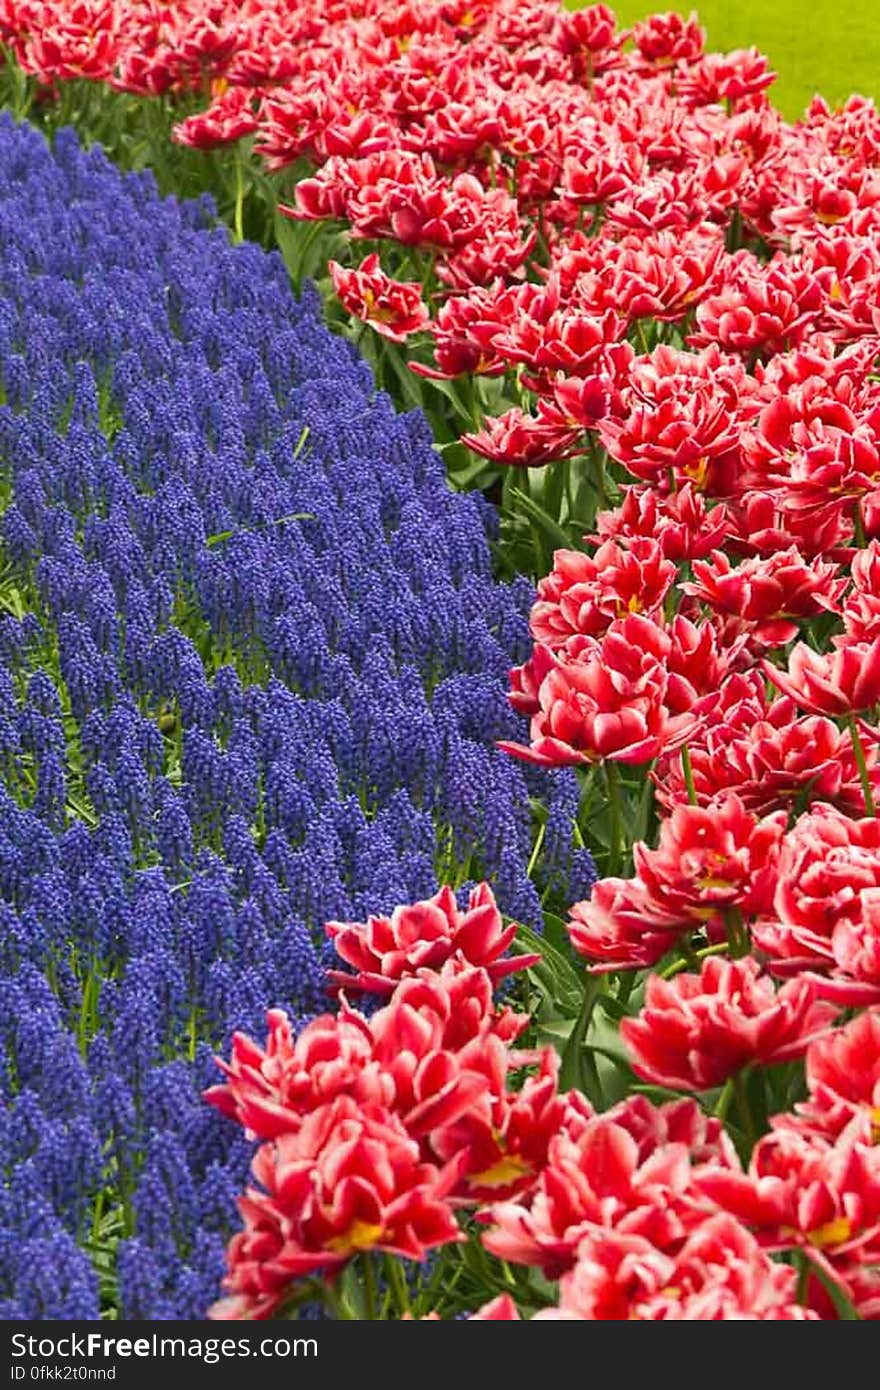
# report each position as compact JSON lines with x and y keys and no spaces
{"x":508,"y":1169}
{"x":361,"y":1235}
{"x":697,"y":472}
{"x":832,"y":1233}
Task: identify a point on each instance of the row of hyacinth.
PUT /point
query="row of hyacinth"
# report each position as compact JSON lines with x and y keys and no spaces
{"x":253,"y":666}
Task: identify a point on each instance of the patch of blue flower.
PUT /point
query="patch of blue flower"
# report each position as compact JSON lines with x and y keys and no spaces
{"x":252,"y":668}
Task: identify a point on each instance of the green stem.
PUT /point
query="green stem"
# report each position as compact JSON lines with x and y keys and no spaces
{"x":539,"y":840}
{"x":859,"y":528}
{"x":612,"y":783}
{"x":597,"y":456}
{"x":692,"y":961}
{"x":738,"y":939}
{"x":625,"y":981}
{"x":238,"y":224}
{"x":687,"y":768}
{"x":862,"y":765}
{"x":744,"y":1110}
{"x":579,"y":1065}
{"x":335,"y":1303}
{"x":568,"y":465}
{"x":97,"y":1216}
{"x":369,"y":1287}
{"x":724,"y":1100}
{"x":397,"y":1284}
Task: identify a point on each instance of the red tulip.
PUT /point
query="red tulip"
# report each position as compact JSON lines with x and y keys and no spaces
{"x":663,"y":39}
{"x":843,"y":1081}
{"x":500,"y":1141}
{"x":270,"y":1090}
{"x":760,"y":309}
{"x":767,"y":755}
{"x":801,"y":1191}
{"x":725,"y":77}
{"x":430,"y":1037}
{"x":828,"y":879}
{"x":457,"y":348}
{"x":392,"y":308}
{"x":695,"y":1031}
{"x":621,"y":927}
{"x":836,"y":683}
{"x":230,"y":117}
{"x":679,"y":1121}
{"x":597,"y":1176}
{"x":768,"y":595}
{"x":611,"y":702}
{"x":349,"y":1180}
{"x":525,"y":441}
{"x":721,"y":1273}
{"x":385,"y":949}
{"x":583,"y":594}
{"x":712,"y":859}
{"x":680,"y":522}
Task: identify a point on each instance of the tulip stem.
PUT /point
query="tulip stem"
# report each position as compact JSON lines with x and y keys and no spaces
{"x":539,"y":841}
{"x":724,"y":1100}
{"x":859,"y":528}
{"x":616,"y":847}
{"x":597,"y":459}
{"x":862,"y":765}
{"x":744,"y":1110}
{"x":335,"y":1303}
{"x":397,"y":1284}
{"x":687,"y":768}
{"x":369,"y":1287}
{"x":238,"y":223}
{"x":578,"y":1069}
{"x":738,"y":939}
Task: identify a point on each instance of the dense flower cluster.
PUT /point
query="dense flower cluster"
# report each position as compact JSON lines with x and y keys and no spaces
{"x":375,"y":1132}
{"x":281,"y":654}
{"x":252,"y":664}
{"x":372,"y":1128}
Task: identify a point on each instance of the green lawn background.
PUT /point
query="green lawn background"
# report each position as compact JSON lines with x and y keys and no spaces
{"x":827,"y":46}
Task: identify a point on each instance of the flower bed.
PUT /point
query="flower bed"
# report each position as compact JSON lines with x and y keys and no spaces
{"x":641,"y":312}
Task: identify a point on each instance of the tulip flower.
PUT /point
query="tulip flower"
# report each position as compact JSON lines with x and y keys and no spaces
{"x":843,"y":682}
{"x":695,"y":1031}
{"x":525,"y":441}
{"x":383,"y":950}
{"x":611,"y":702}
{"x":598,"y":1176}
{"x":804,"y":1192}
{"x":393,"y":308}
{"x":349,"y":1180}
{"x":843,"y":1081}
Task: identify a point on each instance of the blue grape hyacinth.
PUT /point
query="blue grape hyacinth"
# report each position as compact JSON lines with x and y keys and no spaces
{"x":253,"y":666}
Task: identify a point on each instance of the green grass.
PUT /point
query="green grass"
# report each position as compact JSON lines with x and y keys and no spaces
{"x":827,"y":46}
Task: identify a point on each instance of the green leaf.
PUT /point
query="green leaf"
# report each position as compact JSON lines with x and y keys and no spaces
{"x":842,"y":1305}
{"x":465,"y":469}
{"x":555,"y":933}
{"x":220,"y":536}
{"x":556,"y":978}
{"x":559,"y":539}
{"x":410,"y":388}
{"x":573,"y":1071}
